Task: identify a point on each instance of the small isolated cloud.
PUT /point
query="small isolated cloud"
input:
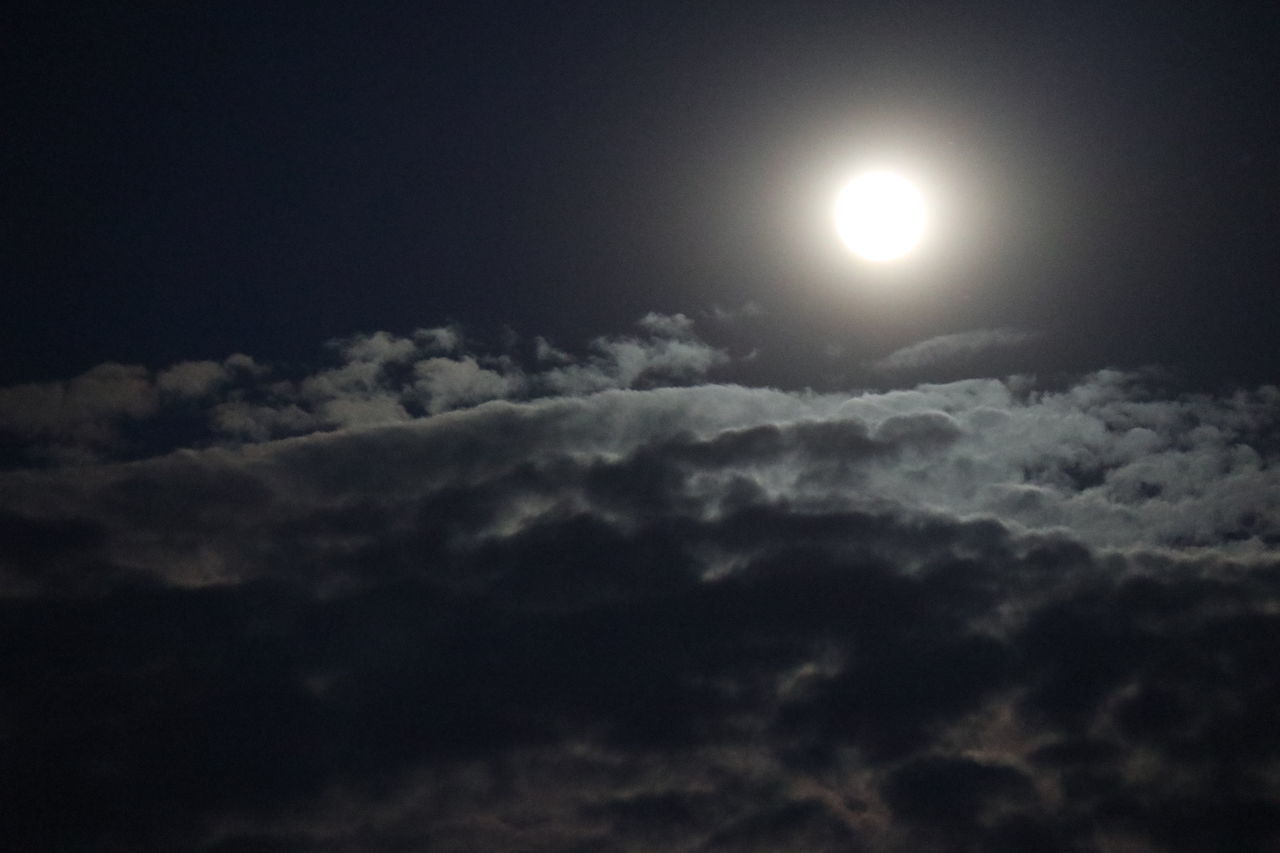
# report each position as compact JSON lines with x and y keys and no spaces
{"x":958,"y":347}
{"x":746,"y":311}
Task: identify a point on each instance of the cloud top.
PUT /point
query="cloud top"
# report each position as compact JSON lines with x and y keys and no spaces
{"x":121,"y":411}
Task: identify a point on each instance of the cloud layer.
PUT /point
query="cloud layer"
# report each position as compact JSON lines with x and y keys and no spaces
{"x":122,"y":411}
{"x":570,"y":608}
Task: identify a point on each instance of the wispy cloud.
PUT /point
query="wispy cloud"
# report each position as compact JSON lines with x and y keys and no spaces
{"x":958,"y":347}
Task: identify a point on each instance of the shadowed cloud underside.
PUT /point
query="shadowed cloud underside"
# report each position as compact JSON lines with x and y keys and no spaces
{"x":566,"y":613}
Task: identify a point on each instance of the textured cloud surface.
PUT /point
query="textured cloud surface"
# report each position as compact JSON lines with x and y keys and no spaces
{"x":572,"y":609}
{"x":116,"y":410}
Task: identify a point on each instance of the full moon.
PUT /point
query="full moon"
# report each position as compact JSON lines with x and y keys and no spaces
{"x":880,"y":216}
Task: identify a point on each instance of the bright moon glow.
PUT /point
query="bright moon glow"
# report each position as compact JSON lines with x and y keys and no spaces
{"x":880,"y":216}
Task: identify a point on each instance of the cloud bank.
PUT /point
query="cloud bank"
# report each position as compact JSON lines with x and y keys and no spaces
{"x":117,"y":411}
{"x":572,"y":607}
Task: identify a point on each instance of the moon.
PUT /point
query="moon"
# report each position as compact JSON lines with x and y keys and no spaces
{"x":880,"y":216}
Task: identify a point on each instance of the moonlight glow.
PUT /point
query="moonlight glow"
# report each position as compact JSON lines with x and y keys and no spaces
{"x":880,"y":216}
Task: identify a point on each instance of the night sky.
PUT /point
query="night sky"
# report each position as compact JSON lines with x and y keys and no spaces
{"x":459,"y":427}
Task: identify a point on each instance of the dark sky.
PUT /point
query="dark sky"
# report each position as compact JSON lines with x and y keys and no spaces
{"x":458,"y":427}
{"x":188,"y":182}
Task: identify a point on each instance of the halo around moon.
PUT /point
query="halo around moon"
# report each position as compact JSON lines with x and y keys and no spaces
{"x":880,"y":216}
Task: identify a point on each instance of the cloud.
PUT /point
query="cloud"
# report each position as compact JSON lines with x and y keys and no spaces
{"x":86,"y":418}
{"x":978,"y":615}
{"x":192,"y":379}
{"x":961,"y":346}
{"x":74,"y":420}
{"x":668,"y":353}
{"x":381,"y":378}
{"x":731,"y":316}
{"x":667,"y":325}
{"x":447,"y":383}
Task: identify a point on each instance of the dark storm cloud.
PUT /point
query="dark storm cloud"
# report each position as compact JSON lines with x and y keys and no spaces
{"x":750,"y":707}
{"x":975,"y":616}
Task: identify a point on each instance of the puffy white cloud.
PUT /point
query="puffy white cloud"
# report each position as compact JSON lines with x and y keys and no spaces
{"x":447,"y":383}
